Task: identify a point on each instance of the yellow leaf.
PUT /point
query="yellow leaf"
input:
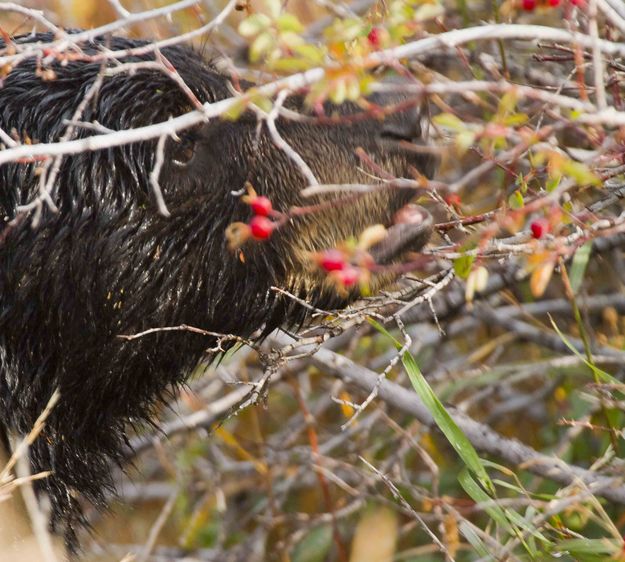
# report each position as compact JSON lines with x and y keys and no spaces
{"x":481,"y":278}
{"x":476,"y":282}
{"x":339,"y":91}
{"x":289,"y":22}
{"x":449,"y":121}
{"x":254,"y":25}
{"x":464,"y":141}
{"x":540,"y":278}
{"x":371,"y":236}
{"x":507,"y":103}
{"x":352,"y":92}
{"x":347,"y":410}
{"x":263,"y":43}
{"x":375,"y":537}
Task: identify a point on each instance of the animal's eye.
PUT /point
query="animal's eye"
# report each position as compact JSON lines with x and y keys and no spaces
{"x":184,"y":150}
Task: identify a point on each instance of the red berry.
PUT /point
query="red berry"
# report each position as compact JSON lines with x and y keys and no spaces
{"x":554,"y":3}
{"x":375,"y":36}
{"x":539,"y":228}
{"x":348,"y":276}
{"x":528,"y":5}
{"x":261,"y":205}
{"x":453,"y":199}
{"x":332,"y":260}
{"x":261,"y":227}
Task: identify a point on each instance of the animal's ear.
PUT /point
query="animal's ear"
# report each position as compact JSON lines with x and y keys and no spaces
{"x":403,"y":126}
{"x":411,"y":123}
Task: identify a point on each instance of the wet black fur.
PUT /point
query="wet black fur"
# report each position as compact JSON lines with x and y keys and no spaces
{"x":108,"y":264}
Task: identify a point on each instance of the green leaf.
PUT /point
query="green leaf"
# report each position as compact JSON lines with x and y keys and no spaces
{"x":474,"y":539}
{"x":605,"y":546}
{"x":236,"y":109}
{"x":525,"y":525}
{"x":507,"y":103}
{"x":478,"y":495}
{"x":263,"y":102}
{"x":446,"y":424}
{"x":290,"y":39}
{"x":289,"y":22}
{"x":449,"y":121}
{"x":464,"y":141}
{"x":312,"y":53}
{"x":443,"y":420}
{"x":366,"y":82}
{"x":553,"y":182}
{"x":578,"y":267}
{"x":261,"y":45}
{"x":516,"y":200}
{"x":581,"y":173}
{"x":463,"y":265}
{"x":254,"y":24}
{"x":515,"y":119}
{"x":314,"y":547}
{"x":345,"y":30}
{"x":522,"y":183}
{"x":290,"y":64}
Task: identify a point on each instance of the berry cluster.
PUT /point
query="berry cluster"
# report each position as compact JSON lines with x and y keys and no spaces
{"x":335,"y":262}
{"x":350,"y":262}
{"x":260,"y":227}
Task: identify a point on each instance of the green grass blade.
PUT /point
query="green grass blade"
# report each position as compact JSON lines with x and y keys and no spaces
{"x":443,"y":420}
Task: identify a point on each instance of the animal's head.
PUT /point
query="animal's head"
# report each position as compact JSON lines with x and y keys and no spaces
{"x":351,"y":145}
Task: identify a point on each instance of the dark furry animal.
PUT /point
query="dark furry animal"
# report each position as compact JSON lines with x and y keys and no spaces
{"x":108,"y":263}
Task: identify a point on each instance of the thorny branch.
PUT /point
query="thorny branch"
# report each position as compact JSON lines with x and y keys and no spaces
{"x":608,"y":116}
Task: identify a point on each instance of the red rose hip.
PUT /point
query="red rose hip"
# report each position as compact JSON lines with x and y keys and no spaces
{"x":332,"y":260}
{"x":261,"y":227}
{"x":375,"y":36}
{"x":539,"y":228}
{"x":348,"y":277}
{"x":261,"y":205}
